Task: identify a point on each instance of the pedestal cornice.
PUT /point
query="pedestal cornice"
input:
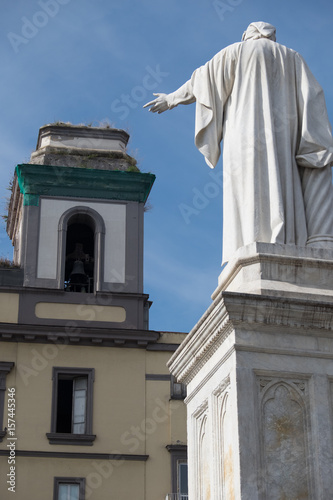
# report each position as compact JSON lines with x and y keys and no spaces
{"x":289,"y":301}
{"x":232,"y":312}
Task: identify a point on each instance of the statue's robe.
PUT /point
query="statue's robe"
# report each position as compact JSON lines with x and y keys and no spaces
{"x":263,"y":101}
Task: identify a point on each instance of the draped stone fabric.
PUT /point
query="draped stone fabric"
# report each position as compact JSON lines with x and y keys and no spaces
{"x":261,"y":98}
{"x":259,"y":30}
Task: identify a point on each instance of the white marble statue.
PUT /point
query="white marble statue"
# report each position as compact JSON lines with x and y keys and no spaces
{"x":261,"y":98}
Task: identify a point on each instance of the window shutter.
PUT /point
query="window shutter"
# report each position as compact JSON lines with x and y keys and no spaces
{"x":80,"y":387}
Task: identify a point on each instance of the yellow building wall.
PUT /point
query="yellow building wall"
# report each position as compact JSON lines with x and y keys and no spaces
{"x":157,"y":437}
{"x":165,"y":425}
{"x":131,"y":415}
{"x":105,"y":480}
{"x":118,"y":392}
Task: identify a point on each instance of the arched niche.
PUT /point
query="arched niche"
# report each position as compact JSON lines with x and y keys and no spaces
{"x":284,"y":437}
{"x":81,"y":238}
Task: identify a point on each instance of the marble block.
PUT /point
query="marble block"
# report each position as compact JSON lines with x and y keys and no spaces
{"x":271,"y":269}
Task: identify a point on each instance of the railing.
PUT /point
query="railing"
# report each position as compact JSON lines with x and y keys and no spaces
{"x":87,"y":286}
{"x":176,"y":496}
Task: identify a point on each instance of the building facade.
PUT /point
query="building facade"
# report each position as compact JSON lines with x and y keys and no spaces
{"x":88,"y":409}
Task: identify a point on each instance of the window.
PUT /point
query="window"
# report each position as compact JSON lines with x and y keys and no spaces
{"x":71,"y":421}
{"x":182,"y":479}
{"x":5,"y":367}
{"x":72,"y":412}
{"x":69,"y":488}
{"x":179,"y":479}
{"x":177,"y":390}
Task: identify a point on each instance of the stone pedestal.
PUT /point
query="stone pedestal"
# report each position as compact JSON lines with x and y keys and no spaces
{"x":259,"y":373}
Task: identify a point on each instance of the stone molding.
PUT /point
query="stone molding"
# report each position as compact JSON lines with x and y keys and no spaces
{"x":201,"y":410}
{"x":71,"y":439}
{"x":77,"y":335}
{"x":205,"y":380}
{"x":83,"y":131}
{"x":222,"y":386}
{"x":232,"y":311}
{"x":161,"y":377}
{"x":205,"y":338}
{"x":46,"y":180}
{"x":286,"y":352}
{"x":76,"y":455}
{"x":271,"y":269}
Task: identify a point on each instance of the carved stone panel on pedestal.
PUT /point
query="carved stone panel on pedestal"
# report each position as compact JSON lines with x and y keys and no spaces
{"x":331,"y":398}
{"x":224,"y":462}
{"x":284,"y":439}
{"x":204,"y":459}
{"x":202,"y":465}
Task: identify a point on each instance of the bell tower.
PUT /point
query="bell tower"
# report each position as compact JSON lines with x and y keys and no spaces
{"x":86,"y":400}
{"x":76,"y":222}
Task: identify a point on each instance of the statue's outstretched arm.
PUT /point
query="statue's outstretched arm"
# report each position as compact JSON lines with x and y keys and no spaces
{"x":184,"y":95}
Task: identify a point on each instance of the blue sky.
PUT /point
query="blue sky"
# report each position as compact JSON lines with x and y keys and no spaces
{"x":96,"y":62}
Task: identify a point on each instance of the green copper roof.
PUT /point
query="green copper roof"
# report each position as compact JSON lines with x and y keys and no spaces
{"x":45,"y":180}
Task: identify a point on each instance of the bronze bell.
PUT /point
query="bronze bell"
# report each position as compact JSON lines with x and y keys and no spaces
{"x":78,"y":279}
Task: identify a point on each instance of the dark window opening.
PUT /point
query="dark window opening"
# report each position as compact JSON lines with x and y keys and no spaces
{"x":65,"y":406}
{"x":80,"y":258}
{"x":72,"y":405}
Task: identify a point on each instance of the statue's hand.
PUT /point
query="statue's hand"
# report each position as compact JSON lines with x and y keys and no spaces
{"x":159,"y":104}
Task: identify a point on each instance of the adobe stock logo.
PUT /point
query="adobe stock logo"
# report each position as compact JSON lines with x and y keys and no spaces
{"x":222,"y":8}
{"x":139,"y":93}
{"x":31,"y":27}
{"x":202,"y":196}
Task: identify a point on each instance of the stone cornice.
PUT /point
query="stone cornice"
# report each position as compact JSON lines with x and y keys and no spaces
{"x":292,"y":261}
{"x":76,"y":455}
{"x":82,"y":131}
{"x":74,"y":439}
{"x":44,"y":180}
{"x":14,"y":209}
{"x":282,"y":312}
{"x":6,"y":366}
{"x":78,"y":335}
{"x":172,"y":448}
{"x":232,"y":311}
{"x":286,"y":352}
{"x":205,"y":380}
{"x":268,"y":269}
{"x":200,"y":344}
